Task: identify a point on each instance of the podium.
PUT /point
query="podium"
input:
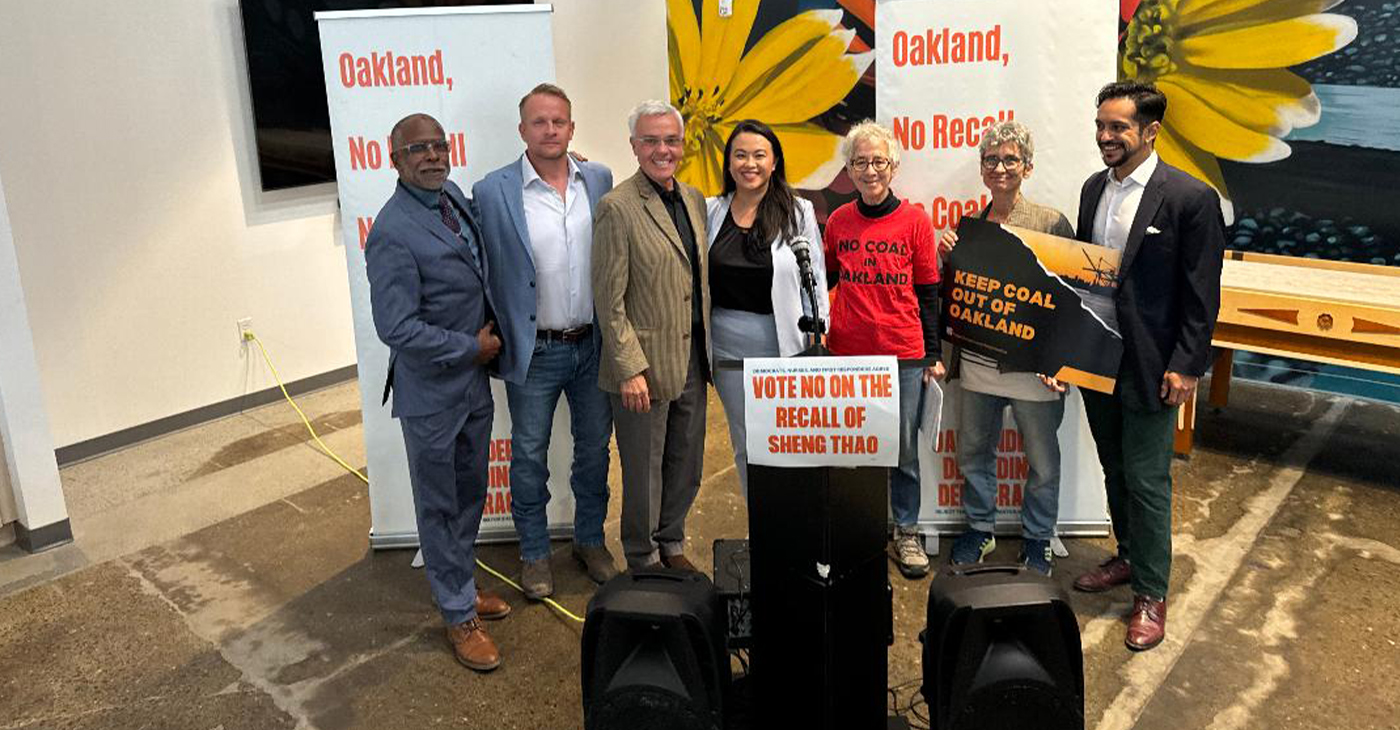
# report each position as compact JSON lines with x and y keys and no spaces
{"x":822,"y":609}
{"x":822,"y":603}
{"x":822,"y":606}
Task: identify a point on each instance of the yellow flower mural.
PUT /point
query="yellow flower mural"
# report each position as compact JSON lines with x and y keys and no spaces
{"x":1223,"y":65}
{"x":795,"y":72}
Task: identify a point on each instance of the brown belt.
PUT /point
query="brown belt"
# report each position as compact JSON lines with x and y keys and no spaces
{"x":569,"y":335}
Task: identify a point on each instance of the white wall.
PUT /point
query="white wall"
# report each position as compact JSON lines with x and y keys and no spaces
{"x":140,"y":236}
{"x":609,"y":55}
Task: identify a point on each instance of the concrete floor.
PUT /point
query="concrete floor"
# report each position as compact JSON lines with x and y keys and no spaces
{"x":221,"y":579}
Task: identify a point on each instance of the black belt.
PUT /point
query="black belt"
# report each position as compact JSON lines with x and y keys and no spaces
{"x":573,"y":334}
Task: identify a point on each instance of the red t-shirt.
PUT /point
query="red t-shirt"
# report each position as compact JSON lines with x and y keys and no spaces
{"x":878,"y":261}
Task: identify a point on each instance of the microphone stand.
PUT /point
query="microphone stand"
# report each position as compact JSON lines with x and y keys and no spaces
{"x":813,"y":325}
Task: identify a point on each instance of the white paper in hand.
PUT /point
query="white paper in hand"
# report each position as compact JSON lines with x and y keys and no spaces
{"x":932,"y":416}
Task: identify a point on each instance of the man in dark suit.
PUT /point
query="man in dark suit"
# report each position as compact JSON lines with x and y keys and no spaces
{"x":537,"y":218}
{"x":431,"y":307}
{"x":651,"y":289}
{"x":1169,"y":227}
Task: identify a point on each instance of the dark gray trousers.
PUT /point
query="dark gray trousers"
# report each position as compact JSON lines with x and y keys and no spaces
{"x":662,"y":454}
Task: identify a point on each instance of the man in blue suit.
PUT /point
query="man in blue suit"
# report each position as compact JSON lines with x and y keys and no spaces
{"x":537,"y":219}
{"x":431,"y":306}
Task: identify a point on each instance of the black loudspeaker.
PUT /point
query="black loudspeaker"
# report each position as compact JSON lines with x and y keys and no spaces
{"x":1001,"y":651}
{"x":653,"y":654}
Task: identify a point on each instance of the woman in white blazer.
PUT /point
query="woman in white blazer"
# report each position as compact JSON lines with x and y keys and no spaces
{"x":756,"y":293}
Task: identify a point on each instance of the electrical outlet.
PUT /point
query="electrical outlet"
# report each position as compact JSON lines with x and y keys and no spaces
{"x":245,"y":330}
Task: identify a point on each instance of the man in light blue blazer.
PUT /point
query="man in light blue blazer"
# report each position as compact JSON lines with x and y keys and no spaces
{"x":537,"y":219}
{"x":430,"y":304}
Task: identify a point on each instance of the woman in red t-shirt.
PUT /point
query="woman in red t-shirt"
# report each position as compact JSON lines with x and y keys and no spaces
{"x":881,"y":260}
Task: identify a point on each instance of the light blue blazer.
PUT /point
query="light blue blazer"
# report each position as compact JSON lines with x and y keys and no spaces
{"x":501,"y":203}
{"x":789,"y":304}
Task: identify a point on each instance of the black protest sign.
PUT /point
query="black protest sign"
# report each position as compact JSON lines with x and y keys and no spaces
{"x":1027,"y":300}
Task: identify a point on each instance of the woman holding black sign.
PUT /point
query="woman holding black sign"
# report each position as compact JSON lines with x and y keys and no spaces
{"x":755,"y":289}
{"x":1036,"y":402}
{"x":882,"y":260}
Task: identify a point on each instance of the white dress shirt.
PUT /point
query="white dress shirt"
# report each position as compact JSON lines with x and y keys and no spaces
{"x":561,"y":242}
{"x":1119,"y":203}
{"x":1113,"y":220}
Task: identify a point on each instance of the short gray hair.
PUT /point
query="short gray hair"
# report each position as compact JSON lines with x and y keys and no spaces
{"x":652,"y":108}
{"x":870,"y":131}
{"x":1004,"y":132}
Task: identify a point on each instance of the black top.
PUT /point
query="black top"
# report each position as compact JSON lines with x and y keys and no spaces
{"x":886,"y":206}
{"x":675,"y":205}
{"x":741,"y":274}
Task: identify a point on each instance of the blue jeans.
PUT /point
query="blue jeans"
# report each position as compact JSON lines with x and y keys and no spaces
{"x":979,"y":430}
{"x":570,"y":368}
{"x":904,"y":480}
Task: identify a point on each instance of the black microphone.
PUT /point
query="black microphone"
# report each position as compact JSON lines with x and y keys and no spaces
{"x":802,"y":251}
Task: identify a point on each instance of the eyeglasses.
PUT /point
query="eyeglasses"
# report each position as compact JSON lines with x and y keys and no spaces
{"x":879,"y":163}
{"x":673,"y":142}
{"x":439,"y":146}
{"x":1010,"y":162}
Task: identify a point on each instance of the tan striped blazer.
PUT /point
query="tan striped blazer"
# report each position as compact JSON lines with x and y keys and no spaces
{"x":642,"y":286}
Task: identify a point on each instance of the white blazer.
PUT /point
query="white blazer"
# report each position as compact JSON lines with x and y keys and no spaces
{"x":788,"y":302}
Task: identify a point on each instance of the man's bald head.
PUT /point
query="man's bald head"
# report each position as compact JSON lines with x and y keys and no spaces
{"x":420,"y":151}
{"x":396,"y":134}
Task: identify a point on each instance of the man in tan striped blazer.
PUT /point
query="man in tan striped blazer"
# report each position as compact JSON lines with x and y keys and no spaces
{"x":651,"y":296}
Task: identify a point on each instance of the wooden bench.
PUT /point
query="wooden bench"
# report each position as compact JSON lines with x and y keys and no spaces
{"x":1310,"y":309}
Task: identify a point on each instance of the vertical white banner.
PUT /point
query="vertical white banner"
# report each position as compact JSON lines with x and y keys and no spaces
{"x":467,"y":67}
{"x":952,"y":68}
{"x":30,"y":490}
{"x":947,"y":71}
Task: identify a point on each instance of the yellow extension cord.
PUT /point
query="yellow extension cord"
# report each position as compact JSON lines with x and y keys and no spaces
{"x":251,"y":337}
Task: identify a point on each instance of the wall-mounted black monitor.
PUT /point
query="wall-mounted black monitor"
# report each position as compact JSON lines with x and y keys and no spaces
{"x":288,"y":87}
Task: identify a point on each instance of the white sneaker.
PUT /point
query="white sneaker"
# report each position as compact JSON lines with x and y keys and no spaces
{"x":907,"y":549}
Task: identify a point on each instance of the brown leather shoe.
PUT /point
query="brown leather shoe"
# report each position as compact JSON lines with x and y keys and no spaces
{"x":1148,"y":624}
{"x":491,"y":606}
{"x":472,"y":646}
{"x":1112,"y":572}
{"x":678,"y":562}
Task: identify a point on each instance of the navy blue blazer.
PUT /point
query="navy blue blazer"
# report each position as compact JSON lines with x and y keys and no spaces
{"x":428,"y":300}
{"x":1169,"y":280}
{"x":501,"y":203}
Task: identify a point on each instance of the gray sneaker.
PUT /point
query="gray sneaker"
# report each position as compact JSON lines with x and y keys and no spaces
{"x":907,"y":549}
{"x":536,"y":579}
{"x":596,"y":561}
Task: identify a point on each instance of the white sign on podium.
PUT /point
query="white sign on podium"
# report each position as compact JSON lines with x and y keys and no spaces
{"x":822,"y":411}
